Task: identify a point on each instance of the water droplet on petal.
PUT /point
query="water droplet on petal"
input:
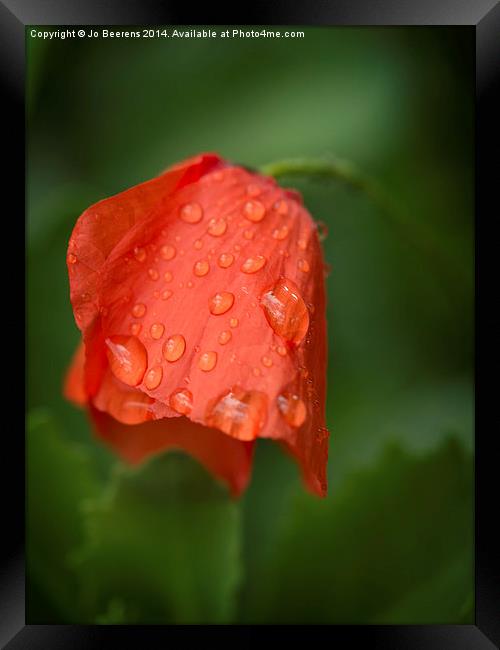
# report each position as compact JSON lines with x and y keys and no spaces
{"x":217,"y":227}
{"x":281,"y":207}
{"x":286,"y":311}
{"x":253,"y":264}
{"x":207,"y":361}
{"x":225,"y":260}
{"x":233,"y":322}
{"x":165,"y":295}
{"x":293,"y":409}
{"x":303,"y":265}
{"x":153,"y":274}
{"x":302,"y":244}
{"x":280,"y":233}
{"x":238,"y":413}
{"x":191,"y":213}
{"x":138,"y":310}
{"x":153,"y":377}
{"x":167,"y":276}
{"x":139,"y":254}
{"x":267,"y":361}
{"x":167,"y":252}
{"x":201,"y":268}
{"x":256,"y":372}
{"x":135,"y":328}
{"x":281,"y":350}
{"x":174,"y":347}
{"x":253,"y":190}
{"x":157,"y":330}
{"x":224,"y":337}
{"x":181,"y":401}
{"x":220,"y":303}
{"x":322,"y":230}
{"x":198,"y":244}
{"x":248,"y":234}
{"x":254,"y":210}
{"x":71,"y":258}
{"x":127,"y":358}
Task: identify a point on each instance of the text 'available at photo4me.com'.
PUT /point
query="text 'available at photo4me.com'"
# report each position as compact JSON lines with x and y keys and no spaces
{"x":164,"y":33}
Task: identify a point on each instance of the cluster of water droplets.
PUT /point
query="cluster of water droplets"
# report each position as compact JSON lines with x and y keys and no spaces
{"x":238,"y":412}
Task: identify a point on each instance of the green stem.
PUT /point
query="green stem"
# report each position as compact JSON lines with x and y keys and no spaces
{"x":336,"y":170}
{"x":417,"y":234}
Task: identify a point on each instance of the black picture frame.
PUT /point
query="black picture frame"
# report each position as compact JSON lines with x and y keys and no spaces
{"x":481,"y":15}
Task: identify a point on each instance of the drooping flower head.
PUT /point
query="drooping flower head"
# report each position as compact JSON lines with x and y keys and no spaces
{"x":200,"y":298}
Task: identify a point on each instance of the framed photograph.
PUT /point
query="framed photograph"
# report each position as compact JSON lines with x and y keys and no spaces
{"x":252,"y":255}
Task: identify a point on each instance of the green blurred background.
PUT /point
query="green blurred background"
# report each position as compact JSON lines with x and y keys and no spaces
{"x":393,"y":541}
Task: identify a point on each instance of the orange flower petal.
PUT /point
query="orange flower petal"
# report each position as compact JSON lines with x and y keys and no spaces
{"x":228,"y":459}
{"x":103,"y":225}
{"x":221,"y":285}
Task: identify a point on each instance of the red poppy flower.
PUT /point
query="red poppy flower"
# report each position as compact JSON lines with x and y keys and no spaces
{"x":200,"y":299}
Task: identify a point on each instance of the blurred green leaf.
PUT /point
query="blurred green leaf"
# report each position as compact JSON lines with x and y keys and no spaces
{"x":393,"y":545}
{"x":59,"y":480}
{"x":163,"y":546}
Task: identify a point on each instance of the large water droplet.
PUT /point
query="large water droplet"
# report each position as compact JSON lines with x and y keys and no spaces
{"x":167,"y":252}
{"x":153,"y":377}
{"x":253,"y":264}
{"x":127,"y":358}
{"x":201,"y":268}
{"x":191,"y":213}
{"x":293,"y":409}
{"x":181,"y":401}
{"x":254,"y":211}
{"x":225,"y":260}
{"x":207,"y":361}
{"x":138,"y":310}
{"x":174,"y":347}
{"x":238,"y":413}
{"x":217,"y":227}
{"x":156,"y":330}
{"x":220,"y":303}
{"x":286,"y":311}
